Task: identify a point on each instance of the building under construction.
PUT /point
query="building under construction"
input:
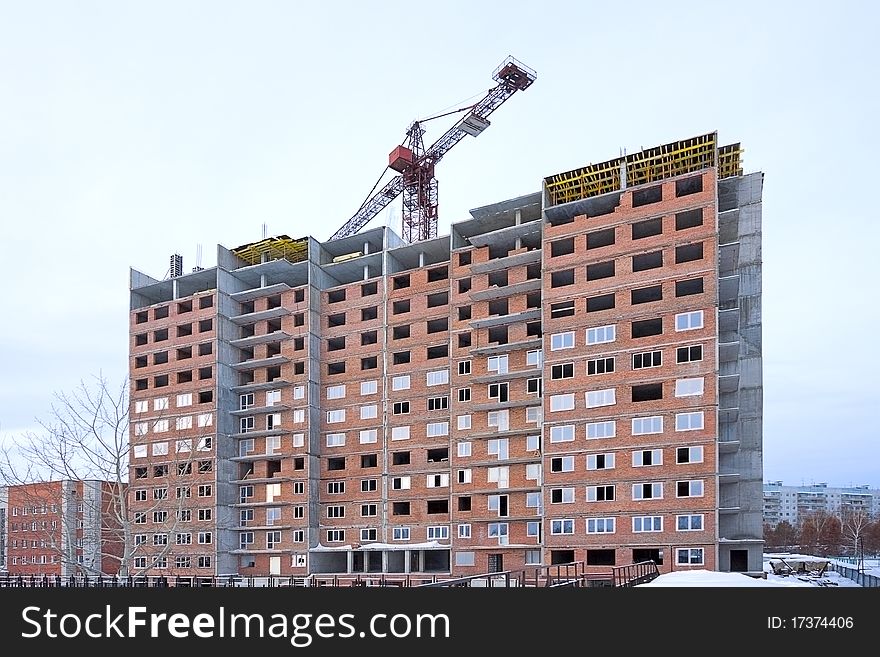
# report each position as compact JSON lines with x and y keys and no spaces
{"x":573,"y":375}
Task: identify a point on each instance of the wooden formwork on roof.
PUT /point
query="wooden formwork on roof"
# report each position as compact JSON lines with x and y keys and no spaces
{"x":274,"y":248}
{"x":650,"y":165}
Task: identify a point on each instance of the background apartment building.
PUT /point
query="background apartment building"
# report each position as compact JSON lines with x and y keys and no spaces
{"x":792,"y":503}
{"x":573,"y":374}
{"x":60,"y":528}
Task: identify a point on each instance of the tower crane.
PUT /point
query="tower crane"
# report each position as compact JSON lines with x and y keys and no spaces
{"x":415,"y":164}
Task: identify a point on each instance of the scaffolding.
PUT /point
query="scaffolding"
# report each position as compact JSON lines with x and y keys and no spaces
{"x":650,"y":165}
{"x":274,"y":248}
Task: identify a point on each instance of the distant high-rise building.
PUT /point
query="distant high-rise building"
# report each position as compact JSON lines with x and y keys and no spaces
{"x":793,"y":503}
{"x":570,"y":375}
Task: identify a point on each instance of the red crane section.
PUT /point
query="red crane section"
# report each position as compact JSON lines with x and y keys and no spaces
{"x":415,"y":164}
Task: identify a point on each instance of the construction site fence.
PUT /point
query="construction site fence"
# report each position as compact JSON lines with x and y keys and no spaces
{"x":858,"y":576}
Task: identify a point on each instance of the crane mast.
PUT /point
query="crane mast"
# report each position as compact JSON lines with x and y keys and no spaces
{"x":415,"y":164}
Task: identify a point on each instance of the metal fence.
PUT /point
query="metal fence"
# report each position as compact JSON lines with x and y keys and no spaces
{"x":861,"y":578}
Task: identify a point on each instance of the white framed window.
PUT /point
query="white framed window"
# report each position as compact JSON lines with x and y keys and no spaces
{"x":464,"y":476}
{"x":534,"y":414}
{"x":562,"y":526}
{"x":298,"y":440}
{"x":605,"y":493}
{"x":401,"y":483}
{"x":205,"y":420}
{"x":647,"y":457}
{"x":160,"y":426}
{"x":606,"y":397}
{"x":299,"y":392}
{"x":369,"y":387}
{"x":369,"y":412}
{"x":369,"y":485}
{"x":160,"y":449}
{"x":600,"y":525}
{"x":689,"y":488}
{"x":464,"y":422}
{"x":533,"y":443}
{"x":689,"y":321}
{"x":534,"y":358}
{"x":689,"y":454}
{"x":337,"y":415}
{"x":336,"y":392}
{"x":533,"y":500}
{"x":562,"y":464}
{"x":335,"y":535}
{"x":596,"y":430}
{"x":644,"y":524}
{"x":646,"y":425}
{"x":464,"y":448}
{"x":499,"y":530}
{"x":141,"y":428}
{"x":437,"y":377}
{"x":562,"y":402}
{"x":498,"y":447}
{"x":369,"y":436}
{"x":562,"y":341}
{"x":464,"y":531}
{"x":160,"y":404}
{"x":689,"y":523}
{"x":600,"y":461}
{"x":400,"y":533}
{"x":602,"y":334}
{"x":401,"y":382}
{"x":562,"y":433}
{"x":438,"y":533}
{"x":689,"y":421}
{"x":183,"y":445}
{"x":273,"y":397}
{"x":647,"y":359}
{"x":651,"y":491}
{"x":689,"y":556}
{"x":498,"y":475}
{"x":140,"y":451}
{"x":142,"y":406}
{"x":600,"y":366}
{"x":437,"y":429}
{"x":369,"y":534}
{"x":273,"y":444}
{"x":400,"y":433}
{"x":688,"y":387}
{"x":206,"y":443}
{"x":369,"y":510}
{"x":336,"y":511}
{"x":533,"y":528}
{"x":437,"y":480}
{"x":183,"y":422}
{"x":273,"y":421}
{"x":497,"y":364}
{"x":245,"y":401}
{"x":336,"y":488}
{"x":335,"y":439}
{"x":246,"y":424}
{"x":562,"y":495}
{"x":464,"y":367}
{"x":499,"y":419}
{"x":533,"y":472}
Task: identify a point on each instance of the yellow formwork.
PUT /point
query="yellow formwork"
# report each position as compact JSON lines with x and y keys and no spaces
{"x":274,"y":248}
{"x":651,"y":165}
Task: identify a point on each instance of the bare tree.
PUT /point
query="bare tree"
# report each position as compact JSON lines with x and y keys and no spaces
{"x":85,"y":439}
{"x":854,"y":523}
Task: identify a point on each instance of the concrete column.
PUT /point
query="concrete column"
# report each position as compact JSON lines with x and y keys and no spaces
{"x":384,"y":561}
{"x":350,"y":558}
{"x":175,"y":292}
{"x":406,"y":557}
{"x":263,"y":280}
{"x":366,"y":248}
{"x":422,"y":259}
{"x":366,"y":272}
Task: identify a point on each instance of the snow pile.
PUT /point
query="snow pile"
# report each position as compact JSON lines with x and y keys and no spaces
{"x":710,"y":578}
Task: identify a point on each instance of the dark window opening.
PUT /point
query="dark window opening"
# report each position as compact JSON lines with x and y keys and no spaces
{"x":561,"y":556}
{"x":299,"y":463}
{"x":602,"y":302}
{"x":438,"y":325}
{"x":400,"y":332}
{"x":369,"y":363}
{"x":299,"y":295}
{"x":369,"y":289}
{"x":562,"y":247}
{"x":400,"y":458}
{"x":689,"y":252}
{"x":437,"y":506}
{"x":647,"y":228}
{"x":160,"y":313}
{"x":206,"y":325}
{"x":647,"y":327}
{"x":562,"y":278}
{"x":206,"y":349}
{"x":299,"y":344}
{"x":275,"y":301}
{"x":646,"y":294}
{"x":600,"y":238}
{"x":464,"y":258}
{"x":600,"y":270}
{"x":336,"y":463}
{"x":438,"y":274}
{"x":335,"y":344}
{"x":600,"y":366}
{"x":600,"y":558}
{"x":464,"y":503}
{"x":533,"y":272}
{"x":299,"y":367}
{"x":562,"y":309}
{"x":686,"y":288}
{"x":688,"y":186}
{"x":464,"y":285}
{"x":438,"y":455}
{"x":140,"y":384}
{"x":337,"y":319}
{"x":141,"y":317}
{"x":299,"y":319}
{"x":440,"y":351}
{"x":401,"y":357}
{"x":400,"y":307}
{"x":184,"y":330}
{"x":647,"y":392}
{"x":498,"y":307}
{"x":206,"y":372}
{"x":336,"y":368}
{"x":689,"y":219}
{"x":498,"y":278}
{"x":647,"y":196}
{"x":498,"y":335}
{"x":533,"y":300}
{"x":369,"y":313}
{"x":464,"y":312}
{"x":184,"y":307}
{"x":647,"y":261}
{"x":160,"y":336}
{"x":140,"y":339}
{"x":438,"y":299}
{"x":335,"y":296}
{"x":185,"y":376}
{"x":400,"y":282}
{"x":369,"y":337}
{"x":464,"y":339}
{"x":140,"y":361}
{"x":160,"y":381}
{"x":400,"y":508}
{"x":206,"y":396}
{"x":369,"y":461}
{"x":533,"y":329}
{"x":640,"y":555}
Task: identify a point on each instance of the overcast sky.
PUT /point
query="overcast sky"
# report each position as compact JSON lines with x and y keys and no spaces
{"x":130,"y":131}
